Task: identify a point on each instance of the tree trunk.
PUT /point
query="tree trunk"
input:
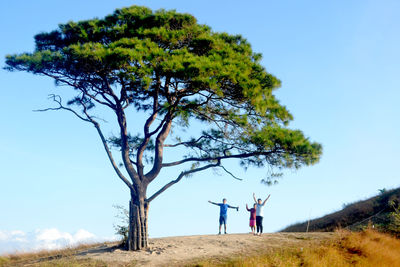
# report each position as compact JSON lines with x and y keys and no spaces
{"x":138,"y":212}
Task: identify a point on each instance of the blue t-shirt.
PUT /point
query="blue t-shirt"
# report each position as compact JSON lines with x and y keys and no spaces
{"x":223,"y":209}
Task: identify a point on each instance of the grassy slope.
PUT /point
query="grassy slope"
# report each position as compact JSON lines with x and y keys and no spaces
{"x":367,"y":248}
{"x":353,"y":216}
{"x":62,"y":257}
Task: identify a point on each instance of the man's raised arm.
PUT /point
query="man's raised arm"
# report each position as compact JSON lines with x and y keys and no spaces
{"x":266,"y":199}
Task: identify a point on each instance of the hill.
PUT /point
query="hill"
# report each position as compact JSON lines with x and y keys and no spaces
{"x":319,"y":247}
{"x":353,"y":216}
{"x":342,"y":248}
{"x":176,"y":251}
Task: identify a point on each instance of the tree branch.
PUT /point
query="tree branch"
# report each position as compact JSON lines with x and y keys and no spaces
{"x":75,"y":84}
{"x":228,"y":172}
{"x":58,"y":100}
{"x":109,"y":154}
{"x":119,"y":111}
{"x":187,"y":143}
{"x":158,"y":157}
{"x":243,"y":155}
{"x":125,"y":146}
{"x":162,"y":135}
{"x":146,"y":130}
{"x":181,"y":175}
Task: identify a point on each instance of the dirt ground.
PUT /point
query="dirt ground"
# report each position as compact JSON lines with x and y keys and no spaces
{"x":175,"y":251}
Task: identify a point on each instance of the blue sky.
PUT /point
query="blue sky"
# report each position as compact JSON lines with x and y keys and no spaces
{"x":339,"y":66}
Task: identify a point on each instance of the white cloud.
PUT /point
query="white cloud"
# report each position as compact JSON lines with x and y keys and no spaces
{"x":82,"y":235}
{"x":19,"y":241}
{"x":49,"y":235}
{"x":17,"y":233}
{"x":3,"y":236}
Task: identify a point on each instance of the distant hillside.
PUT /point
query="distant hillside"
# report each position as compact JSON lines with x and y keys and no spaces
{"x":354,"y":216}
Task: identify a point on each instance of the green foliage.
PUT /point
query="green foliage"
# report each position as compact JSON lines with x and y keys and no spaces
{"x":137,"y":57}
{"x":122,"y":228}
{"x":382,"y":191}
{"x":394,"y":216}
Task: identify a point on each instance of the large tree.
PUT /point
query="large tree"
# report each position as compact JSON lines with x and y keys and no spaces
{"x":176,"y":73}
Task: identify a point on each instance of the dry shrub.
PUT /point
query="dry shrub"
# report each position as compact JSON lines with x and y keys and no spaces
{"x":368,"y":248}
{"x":371,"y":248}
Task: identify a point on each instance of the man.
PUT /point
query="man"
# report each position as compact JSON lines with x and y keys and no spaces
{"x":260,"y":213}
{"x":223,"y":213}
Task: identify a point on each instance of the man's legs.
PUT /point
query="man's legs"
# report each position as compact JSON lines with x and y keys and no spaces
{"x":225,"y":218}
{"x":261,"y":226}
{"x":220,"y":224}
{"x":258,"y":223}
{"x":222,"y":220}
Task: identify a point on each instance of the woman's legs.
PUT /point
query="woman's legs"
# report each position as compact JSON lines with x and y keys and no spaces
{"x":253,"y":225}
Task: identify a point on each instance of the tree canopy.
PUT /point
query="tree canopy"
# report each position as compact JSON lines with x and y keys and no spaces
{"x":174,"y":71}
{"x":164,"y":63}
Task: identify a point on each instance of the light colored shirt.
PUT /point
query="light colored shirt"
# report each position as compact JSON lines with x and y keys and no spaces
{"x":260,"y":210}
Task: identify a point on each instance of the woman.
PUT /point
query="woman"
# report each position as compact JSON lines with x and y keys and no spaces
{"x":260,"y":213}
{"x":253,"y":212}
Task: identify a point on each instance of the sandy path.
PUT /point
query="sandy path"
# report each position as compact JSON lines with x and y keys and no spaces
{"x":172,"y":251}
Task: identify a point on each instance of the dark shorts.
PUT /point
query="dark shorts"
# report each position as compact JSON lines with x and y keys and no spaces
{"x":223,"y":219}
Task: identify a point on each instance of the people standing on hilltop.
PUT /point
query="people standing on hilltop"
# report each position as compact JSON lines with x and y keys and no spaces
{"x":223,"y":213}
{"x":260,"y":213}
{"x":253,"y":213}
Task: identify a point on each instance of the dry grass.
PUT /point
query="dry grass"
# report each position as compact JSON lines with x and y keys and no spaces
{"x":368,"y":248}
{"x":62,"y":257}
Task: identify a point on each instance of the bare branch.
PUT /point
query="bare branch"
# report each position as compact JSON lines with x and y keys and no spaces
{"x":75,"y":84}
{"x":58,"y":100}
{"x":181,"y":175}
{"x":237,"y":178}
{"x":109,"y":154}
{"x":108,"y":103}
